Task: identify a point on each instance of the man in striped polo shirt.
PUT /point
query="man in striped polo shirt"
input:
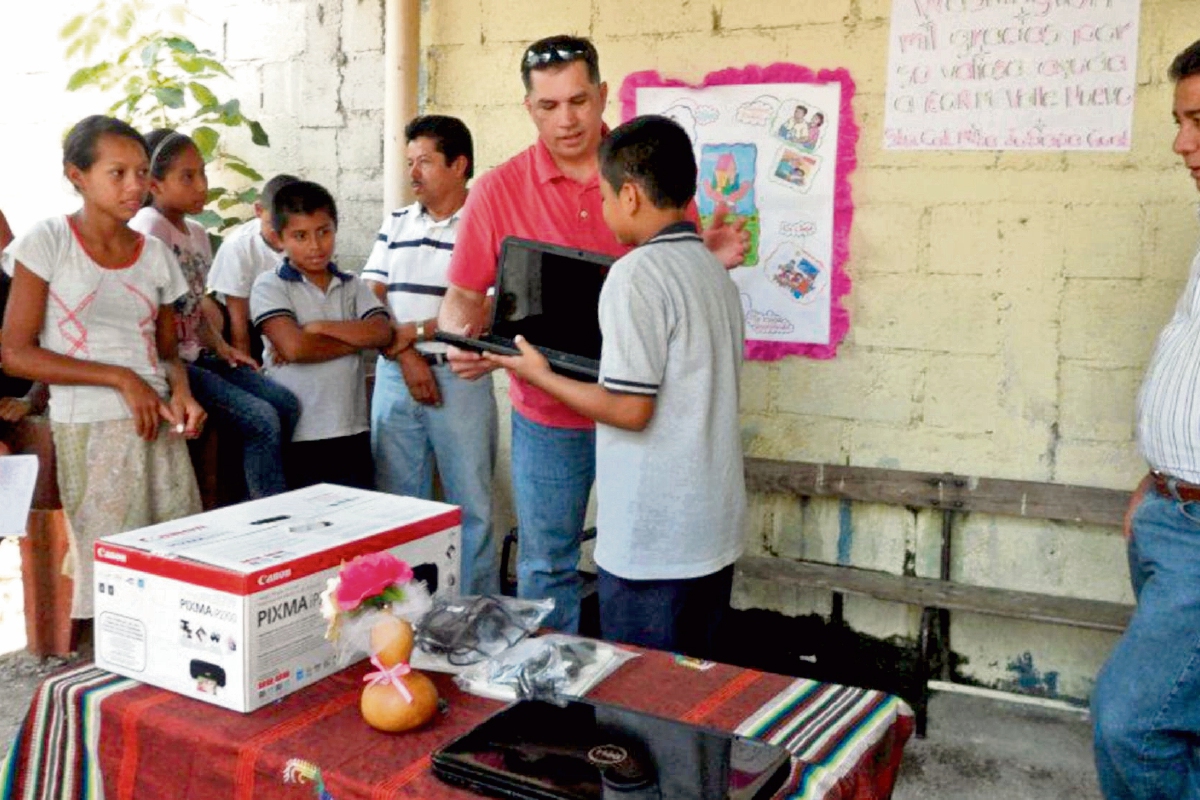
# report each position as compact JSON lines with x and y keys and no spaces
{"x":420,"y":410}
{"x":1146,"y":704}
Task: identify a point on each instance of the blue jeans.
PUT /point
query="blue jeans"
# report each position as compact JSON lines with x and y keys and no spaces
{"x":1146,"y":704}
{"x":407,"y":437}
{"x":262,"y":412}
{"x":552,"y":473}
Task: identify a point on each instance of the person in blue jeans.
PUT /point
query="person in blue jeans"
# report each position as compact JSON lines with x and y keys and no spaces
{"x":1146,"y":704}
{"x":421,"y":412}
{"x":263,"y":413}
{"x":224,"y":380}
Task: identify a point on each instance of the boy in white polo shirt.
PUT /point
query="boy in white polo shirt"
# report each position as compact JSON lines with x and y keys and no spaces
{"x":248,"y":251}
{"x":670,"y":490}
{"x":315,"y":321}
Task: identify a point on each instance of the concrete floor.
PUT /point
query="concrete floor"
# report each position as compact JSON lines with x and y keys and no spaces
{"x":984,"y":749}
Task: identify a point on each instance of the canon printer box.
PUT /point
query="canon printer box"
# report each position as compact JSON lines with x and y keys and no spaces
{"x":225,"y":606}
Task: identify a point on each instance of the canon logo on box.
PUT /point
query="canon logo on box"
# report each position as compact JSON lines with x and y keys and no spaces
{"x":274,"y":577}
{"x":113,"y":555}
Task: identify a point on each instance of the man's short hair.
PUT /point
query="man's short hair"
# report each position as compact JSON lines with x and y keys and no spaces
{"x":554,"y":51}
{"x":271,"y":188}
{"x":655,"y":153}
{"x":301,"y":197}
{"x":1186,"y":64}
{"x":449,"y":134}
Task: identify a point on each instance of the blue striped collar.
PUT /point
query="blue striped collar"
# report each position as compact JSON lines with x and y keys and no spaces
{"x":290,"y":273}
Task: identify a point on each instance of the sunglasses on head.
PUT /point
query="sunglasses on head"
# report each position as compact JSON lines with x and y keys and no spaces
{"x":540,"y":56}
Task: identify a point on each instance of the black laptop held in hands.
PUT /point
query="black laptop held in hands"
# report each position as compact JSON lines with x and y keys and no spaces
{"x":551,"y":296}
{"x":586,"y":750}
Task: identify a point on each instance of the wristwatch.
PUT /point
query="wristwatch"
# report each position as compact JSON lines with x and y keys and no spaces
{"x":421,"y":331}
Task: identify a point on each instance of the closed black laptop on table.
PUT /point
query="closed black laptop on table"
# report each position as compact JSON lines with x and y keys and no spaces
{"x":551,"y":296}
{"x":586,"y":750}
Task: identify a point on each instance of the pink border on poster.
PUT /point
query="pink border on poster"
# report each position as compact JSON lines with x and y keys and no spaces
{"x":843,"y":211}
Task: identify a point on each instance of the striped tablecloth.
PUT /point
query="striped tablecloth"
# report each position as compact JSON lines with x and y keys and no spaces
{"x":91,"y":734}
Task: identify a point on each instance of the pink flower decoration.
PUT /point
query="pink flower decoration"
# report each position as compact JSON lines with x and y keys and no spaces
{"x":367,"y":576}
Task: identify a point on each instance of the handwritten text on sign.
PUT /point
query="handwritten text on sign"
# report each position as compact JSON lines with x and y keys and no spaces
{"x":1011,"y":74}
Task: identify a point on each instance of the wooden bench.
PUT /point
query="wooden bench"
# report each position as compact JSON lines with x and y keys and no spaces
{"x":950,"y":494}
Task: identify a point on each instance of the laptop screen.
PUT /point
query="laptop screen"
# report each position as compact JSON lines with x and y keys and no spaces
{"x":550,"y":295}
{"x":585,"y":750}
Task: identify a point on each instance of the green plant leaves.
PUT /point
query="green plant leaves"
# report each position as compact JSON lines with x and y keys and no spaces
{"x":258,"y":135}
{"x":200,"y":66}
{"x":169,"y":96}
{"x":150,"y":54}
{"x":208,"y":218}
{"x":180,"y":45}
{"x":126,"y":16}
{"x":242,"y":169}
{"x":206,"y":141}
{"x":161,"y":78}
{"x":72,"y":27}
{"x":228,"y":199}
{"x":231,"y":113}
{"x":204,"y":62}
{"x":88,"y":75}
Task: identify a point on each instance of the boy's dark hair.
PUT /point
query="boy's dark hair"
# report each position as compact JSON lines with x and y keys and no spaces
{"x":79,"y":146}
{"x":1186,"y":64}
{"x":449,"y":134}
{"x":301,"y":197}
{"x":556,"y":51}
{"x":656,"y":154}
{"x":266,"y":198}
{"x":164,"y":144}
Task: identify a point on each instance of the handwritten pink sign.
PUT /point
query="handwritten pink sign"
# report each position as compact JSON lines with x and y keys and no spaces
{"x":1011,"y":74}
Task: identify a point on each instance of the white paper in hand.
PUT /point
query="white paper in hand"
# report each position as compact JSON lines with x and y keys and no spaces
{"x":18,"y":474}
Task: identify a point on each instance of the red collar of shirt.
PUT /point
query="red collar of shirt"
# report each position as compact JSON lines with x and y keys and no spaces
{"x":544,"y":167}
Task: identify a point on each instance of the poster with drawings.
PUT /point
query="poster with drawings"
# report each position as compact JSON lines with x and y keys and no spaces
{"x":768,"y":152}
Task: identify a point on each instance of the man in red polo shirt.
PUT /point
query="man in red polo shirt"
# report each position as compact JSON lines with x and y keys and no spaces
{"x":549,"y":192}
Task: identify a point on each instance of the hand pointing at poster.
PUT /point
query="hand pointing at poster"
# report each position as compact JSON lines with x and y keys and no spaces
{"x":727,"y":241}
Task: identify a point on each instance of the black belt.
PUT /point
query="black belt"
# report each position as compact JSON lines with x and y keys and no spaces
{"x":433,"y":359}
{"x":1175,"y":488}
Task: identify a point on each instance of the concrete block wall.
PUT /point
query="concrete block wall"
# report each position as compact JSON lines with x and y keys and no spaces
{"x":1004,"y":304}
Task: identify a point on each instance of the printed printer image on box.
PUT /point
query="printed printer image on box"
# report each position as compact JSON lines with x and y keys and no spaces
{"x":225,"y":606}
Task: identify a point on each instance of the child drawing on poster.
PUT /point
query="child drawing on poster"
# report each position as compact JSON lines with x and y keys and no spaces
{"x":795,"y":169}
{"x":794,"y":129}
{"x":814,"y":132}
{"x":727,"y":173}
{"x":796,"y":272}
{"x":799,"y":124}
